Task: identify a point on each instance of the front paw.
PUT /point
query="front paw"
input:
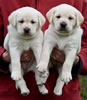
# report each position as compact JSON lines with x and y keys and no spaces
{"x":16,"y":75}
{"x":42,"y":67}
{"x":66,"y":77}
{"x":45,"y":74}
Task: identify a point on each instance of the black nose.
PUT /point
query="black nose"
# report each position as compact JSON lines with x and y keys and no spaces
{"x":63,"y":25}
{"x":26,"y":30}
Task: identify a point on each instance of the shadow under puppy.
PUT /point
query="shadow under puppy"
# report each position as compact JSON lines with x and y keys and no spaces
{"x":65,"y":32}
{"x":24,"y":32}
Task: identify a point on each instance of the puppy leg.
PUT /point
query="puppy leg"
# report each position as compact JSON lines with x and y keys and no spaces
{"x":15,"y":65}
{"x":58,"y":87}
{"x":67,"y":66}
{"x":21,"y":84}
{"x":45,"y":56}
{"x":59,"y":84}
{"x":37,"y":49}
{"x":40,"y":81}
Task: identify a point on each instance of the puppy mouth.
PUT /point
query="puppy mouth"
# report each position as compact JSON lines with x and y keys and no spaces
{"x":27,"y":34}
{"x":63,"y":31}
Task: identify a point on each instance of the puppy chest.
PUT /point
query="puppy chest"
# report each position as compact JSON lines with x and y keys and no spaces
{"x":67,"y":43}
{"x":26,"y":46}
{"x":61,"y":43}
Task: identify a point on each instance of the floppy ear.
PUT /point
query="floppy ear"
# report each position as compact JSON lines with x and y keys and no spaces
{"x":79,"y":18}
{"x":42,"y":19}
{"x":50,"y":14}
{"x":12,"y":18}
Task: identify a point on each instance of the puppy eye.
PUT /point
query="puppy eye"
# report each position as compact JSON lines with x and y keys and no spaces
{"x":21,"y":21}
{"x":58,"y":16}
{"x":33,"y":22}
{"x":70,"y":18}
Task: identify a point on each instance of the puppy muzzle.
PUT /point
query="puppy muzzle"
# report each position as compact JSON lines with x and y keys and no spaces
{"x":63,"y":25}
{"x":63,"y":28}
{"x":26,"y":30}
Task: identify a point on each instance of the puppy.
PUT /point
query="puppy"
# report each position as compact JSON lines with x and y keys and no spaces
{"x":24,"y":32}
{"x":65,"y":32}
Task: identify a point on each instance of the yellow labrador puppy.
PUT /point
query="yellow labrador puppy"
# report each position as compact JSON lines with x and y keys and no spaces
{"x":24,"y":32}
{"x":65,"y":31}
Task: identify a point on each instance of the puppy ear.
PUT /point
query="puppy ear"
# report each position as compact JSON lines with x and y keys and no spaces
{"x":79,"y":18}
{"x":12,"y":18}
{"x":42,"y":19}
{"x":50,"y":14}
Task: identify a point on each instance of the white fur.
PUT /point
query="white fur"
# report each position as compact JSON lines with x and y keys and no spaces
{"x":17,"y":41}
{"x":68,"y":39}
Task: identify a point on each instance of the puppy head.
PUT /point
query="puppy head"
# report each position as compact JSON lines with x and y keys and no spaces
{"x":26,"y":20}
{"x":64,"y":18}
